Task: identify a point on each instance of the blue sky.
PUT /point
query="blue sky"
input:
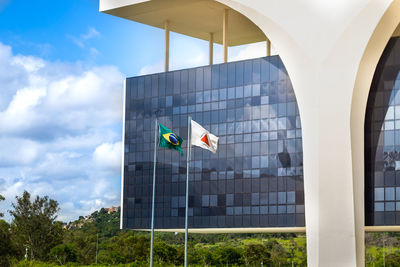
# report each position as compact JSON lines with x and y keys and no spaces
{"x":52,"y":29}
{"x":62,"y":67}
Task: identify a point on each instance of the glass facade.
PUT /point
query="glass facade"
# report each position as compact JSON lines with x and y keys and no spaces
{"x":256,"y":177}
{"x":382,"y":141}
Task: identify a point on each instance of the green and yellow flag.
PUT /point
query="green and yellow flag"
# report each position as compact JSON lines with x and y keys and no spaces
{"x":169,"y":140}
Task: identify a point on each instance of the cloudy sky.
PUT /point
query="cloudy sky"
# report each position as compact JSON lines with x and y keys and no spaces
{"x":62,"y":67}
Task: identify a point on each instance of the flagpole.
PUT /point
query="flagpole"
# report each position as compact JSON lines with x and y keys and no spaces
{"x":188,"y":155}
{"x":154,"y":193}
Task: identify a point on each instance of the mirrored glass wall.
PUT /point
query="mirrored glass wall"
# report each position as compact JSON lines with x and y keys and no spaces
{"x":382,"y":141}
{"x":256,"y":177}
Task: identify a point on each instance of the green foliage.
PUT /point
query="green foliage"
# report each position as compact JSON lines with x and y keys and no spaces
{"x":202,"y":256}
{"x":392,"y":260}
{"x":227,"y":255}
{"x":124,"y":248}
{"x":32,"y":264}
{"x":64,"y":253}
{"x":34,"y":225}
{"x":166,"y":253}
{"x":76,"y":245}
{"x":277,"y":251}
{"x":7,"y":249}
{"x":85,"y":244}
{"x":1,"y":199}
{"x":382,"y":248}
{"x":107,"y":225}
{"x":255,"y":254}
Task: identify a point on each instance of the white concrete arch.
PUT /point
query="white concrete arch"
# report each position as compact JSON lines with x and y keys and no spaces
{"x":373,"y":51}
{"x":323,"y":73}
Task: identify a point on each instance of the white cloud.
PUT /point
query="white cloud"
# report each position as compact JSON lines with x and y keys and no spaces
{"x":76,"y":41}
{"x":83,"y":39}
{"x":53,"y":106}
{"x":152,"y":68}
{"x":180,"y":62}
{"x":108,"y":155}
{"x":184,"y":58}
{"x":248,"y":51}
{"x":60,"y":132}
{"x":185,"y":53}
{"x":92,"y":32}
{"x":24,"y":151}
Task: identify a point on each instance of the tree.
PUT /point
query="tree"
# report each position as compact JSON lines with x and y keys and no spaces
{"x":7,"y":249}
{"x":277,"y":252}
{"x":392,"y":260}
{"x":165,"y":253}
{"x":202,"y":256}
{"x":63,"y":253}
{"x":34,"y":224}
{"x":229,"y":255}
{"x":255,"y":254}
{"x":85,"y":243}
{"x":1,"y":199}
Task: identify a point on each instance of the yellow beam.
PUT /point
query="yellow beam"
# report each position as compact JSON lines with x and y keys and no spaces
{"x":166,"y":27}
{"x":211,"y":48}
{"x":268,"y":47}
{"x":225,"y":34}
{"x":234,"y":230}
{"x":386,"y":228}
{"x":383,"y":228}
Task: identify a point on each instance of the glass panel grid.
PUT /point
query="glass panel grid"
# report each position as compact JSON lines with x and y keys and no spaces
{"x":257,"y":170}
{"x":382,"y":141}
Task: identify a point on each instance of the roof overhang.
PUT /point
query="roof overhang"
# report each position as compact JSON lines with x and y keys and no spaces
{"x":196,"y":18}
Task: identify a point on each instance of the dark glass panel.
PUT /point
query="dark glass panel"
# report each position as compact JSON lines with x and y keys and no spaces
{"x":382,"y":139}
{"x":250,"y":106}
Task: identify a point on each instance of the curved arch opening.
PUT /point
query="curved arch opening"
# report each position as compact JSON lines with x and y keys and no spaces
{"x":372,"y":54}
{"x":382,"y":141}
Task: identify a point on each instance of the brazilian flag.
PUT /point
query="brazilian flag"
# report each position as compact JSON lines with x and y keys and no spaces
{"x":169,"y":140}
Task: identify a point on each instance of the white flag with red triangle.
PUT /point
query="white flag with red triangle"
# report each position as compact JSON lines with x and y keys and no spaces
{"x":203,"y":138}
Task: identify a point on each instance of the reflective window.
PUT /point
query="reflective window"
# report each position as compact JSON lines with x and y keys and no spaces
{"x":257,"y":170}
{"x":382,"y":141}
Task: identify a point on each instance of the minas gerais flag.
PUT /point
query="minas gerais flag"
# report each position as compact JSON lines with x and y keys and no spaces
{"x":203,"y":138}
{"x":169,"y":140}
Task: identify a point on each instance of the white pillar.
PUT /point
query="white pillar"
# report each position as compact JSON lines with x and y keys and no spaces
{"x":322,"y":58}
{"x":328,"y":183}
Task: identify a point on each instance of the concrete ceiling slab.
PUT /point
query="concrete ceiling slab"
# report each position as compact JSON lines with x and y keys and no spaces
{"x":195,"y":18}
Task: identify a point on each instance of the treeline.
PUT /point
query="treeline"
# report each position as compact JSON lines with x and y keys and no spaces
{"x":35,"y":233}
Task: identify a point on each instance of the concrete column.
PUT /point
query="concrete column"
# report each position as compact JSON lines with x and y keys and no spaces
{"x":225,"y":34}
{"x":328,"y":180}
{"x":268,"y":46}
{"x":166,"y":27}
{"x":211,"y":49}
{"x":315,"y":51}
